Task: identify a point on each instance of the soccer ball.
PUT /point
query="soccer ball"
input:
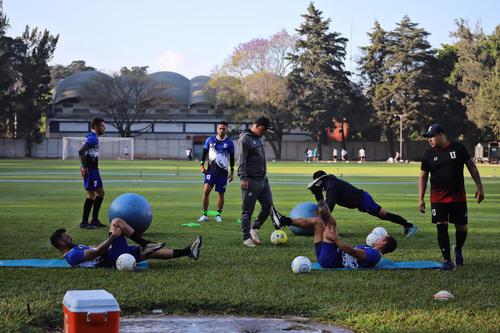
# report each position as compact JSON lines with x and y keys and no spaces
{"x":301,"y":264}
{"x":279,"y":237}
{"x":126,"y":262}
{"x":443,"y":295}
{"x":380,"y":231}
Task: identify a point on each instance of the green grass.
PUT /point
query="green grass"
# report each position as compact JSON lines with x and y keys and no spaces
{"x":230,"y":279}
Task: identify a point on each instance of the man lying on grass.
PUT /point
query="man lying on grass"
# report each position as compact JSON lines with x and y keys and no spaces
{"x":331,"y":251}
{"x":106,"y":254}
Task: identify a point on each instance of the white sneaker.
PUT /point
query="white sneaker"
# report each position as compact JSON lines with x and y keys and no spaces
{"x":248,"y":243}
{"x":218,"y":218}
{"x":254,"y":233}
{"x":203,"y":218}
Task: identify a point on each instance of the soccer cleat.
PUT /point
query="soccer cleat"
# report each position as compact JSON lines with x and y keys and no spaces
{"x":203,"y":218}
{"x":218,"y":218}
{"x":447,"y":266}
{"x":254,"y":234}
{"x":150,"y":248}
{"x":96,"y":223}
{"x":195,"y":248}
{"x":411,"y":231}
{"x":459,"y":259}
{"x":86,"y":225}
{"x":277,"y":219}
{"x":318,"y":185}
{"x":248,"y":243}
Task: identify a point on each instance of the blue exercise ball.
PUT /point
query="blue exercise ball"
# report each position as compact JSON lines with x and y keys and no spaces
{"x":133,"y":209}
{"x":303,"y":209}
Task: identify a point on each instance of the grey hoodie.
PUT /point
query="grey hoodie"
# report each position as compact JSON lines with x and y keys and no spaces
{"x":251,"y":156}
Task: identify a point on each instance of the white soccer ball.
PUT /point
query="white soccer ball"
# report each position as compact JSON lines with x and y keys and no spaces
{"x":301,"y":264}
{"x":371,"y":239}
{"x":126,"y":262}
{"x":380,"y":231}
{"x":279,"y":237}
{"x":443,"y":295}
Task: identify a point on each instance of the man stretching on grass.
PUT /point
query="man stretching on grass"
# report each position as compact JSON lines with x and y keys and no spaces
{"x":331,"y":251}
{"x":106,"y":254}
{"x":344,"y":194}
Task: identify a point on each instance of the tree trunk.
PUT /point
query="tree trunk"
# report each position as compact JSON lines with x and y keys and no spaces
{"x":29,"y":144}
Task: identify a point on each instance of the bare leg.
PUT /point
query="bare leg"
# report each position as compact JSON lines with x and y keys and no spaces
{"x":206,"y":195}
{"x":220,"y":202}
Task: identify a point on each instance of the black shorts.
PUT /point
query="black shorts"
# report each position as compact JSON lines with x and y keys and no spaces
{"x":453,"y":212}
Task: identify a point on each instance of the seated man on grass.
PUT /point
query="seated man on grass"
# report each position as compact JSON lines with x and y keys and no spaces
{"x":331,"y":251}
{"x":106,"y":254}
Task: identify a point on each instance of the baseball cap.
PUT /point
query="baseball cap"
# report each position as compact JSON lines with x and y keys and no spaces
{"x":263,"y":121}
{"x":433,"y":130}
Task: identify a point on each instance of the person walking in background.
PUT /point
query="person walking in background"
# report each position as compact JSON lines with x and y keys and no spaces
{"x":361,"y":156}
{"x":343,"y":155}
{"x":334,"y":155}
{"x":189,"y":153}
{"x":89,"y":170}
{"x":254,"y":184}
{"x":220,"y":152}
{"x":445,"y":162}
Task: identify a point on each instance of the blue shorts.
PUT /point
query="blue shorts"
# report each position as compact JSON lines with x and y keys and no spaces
{"x":219,"y":181}
{"x":119,"y":247}
{"x":368,"y":205}
{"x":92,"y":180}
{"x":328,"y":255}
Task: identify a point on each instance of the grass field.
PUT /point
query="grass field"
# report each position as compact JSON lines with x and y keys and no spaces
{"x":38,"y":196}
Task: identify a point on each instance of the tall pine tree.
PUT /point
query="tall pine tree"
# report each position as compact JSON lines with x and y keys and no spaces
{"x":319,"y":86}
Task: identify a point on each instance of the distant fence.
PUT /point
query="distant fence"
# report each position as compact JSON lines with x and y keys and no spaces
{"x":175,"y":149}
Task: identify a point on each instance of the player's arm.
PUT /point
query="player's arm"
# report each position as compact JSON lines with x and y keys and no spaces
{"x":242,"y":163}
{"x":422,"y":186}
{"x":102,"y":248}
{"x":231,"y":165}
{"x":474,"y":172}
{"x":81,"y":152}
{"x":332,"y":235}
{"x":203,"y":158}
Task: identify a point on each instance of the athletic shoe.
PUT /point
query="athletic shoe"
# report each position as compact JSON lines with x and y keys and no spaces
{"x":411,"y":231}
{"x":277,"y":219}
{"x":150,"y":248}
{"x":254,"y":234}
{"x":203,"y":218}
{"x":318,"y":185}
{"x":459,"y":259}
{"x":96,"y":223}
{"x":248,"y":243}
{"x":86,"y":225}
{"x":447,"y":266}
{"x":218,"y":218}
{"x":195,"y":248}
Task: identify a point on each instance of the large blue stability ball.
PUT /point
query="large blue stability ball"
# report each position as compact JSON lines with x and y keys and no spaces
{"x":133,"y":209}
{"x":303,"y":209}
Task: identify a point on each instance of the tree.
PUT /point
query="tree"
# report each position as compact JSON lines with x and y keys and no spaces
{"x":478,"y":65}
{"x":252,"y":82}
{"x":318,"y":84}
{"x":33,"y":87}
{"x":126,"y":98}
{"x":7,"y":77}
{"x":58,"y":72}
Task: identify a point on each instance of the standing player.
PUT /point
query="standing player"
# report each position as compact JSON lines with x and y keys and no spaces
{"x":220,"y":151}
{"x":89,"y":156}
{"x":254,"y":184}
{"x":342,"y":193}
{"x":445,"y":162}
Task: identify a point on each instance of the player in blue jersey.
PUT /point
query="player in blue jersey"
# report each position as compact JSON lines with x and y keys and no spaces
{"x":331,"y":251}
{"x":342,"y":193}
{"x":106,"y":254}
{"x":89,"y":157}
{"x":220,"y":152}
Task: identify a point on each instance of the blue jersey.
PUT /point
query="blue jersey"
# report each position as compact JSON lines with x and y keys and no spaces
{"x":92,"y":155}
{"x":372,"y":258}
{"x":75,"y":257}
{"x":218,"y":154}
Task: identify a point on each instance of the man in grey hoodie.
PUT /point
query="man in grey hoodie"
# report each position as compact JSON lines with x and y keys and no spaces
{"x":253,"y":180}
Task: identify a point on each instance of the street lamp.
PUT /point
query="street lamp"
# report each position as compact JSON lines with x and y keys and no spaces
{"x":400,"y":116}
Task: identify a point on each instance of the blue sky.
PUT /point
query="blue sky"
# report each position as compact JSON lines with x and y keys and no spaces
{"x":192,"y":36}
